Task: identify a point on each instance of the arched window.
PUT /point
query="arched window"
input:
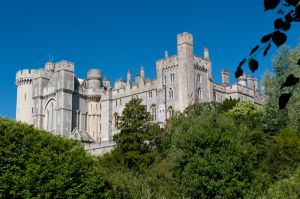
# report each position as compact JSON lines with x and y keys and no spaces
{"x":153,"y":112}
{"x":170,"y":112}
{"x":200,"y":93}
{"x":199,"y":80}
{"x":165,"y":79}
{"x":172,"y":77}
{"x":171,"y":93}
{"x":115,"y":122}
{"x":50,"y":116}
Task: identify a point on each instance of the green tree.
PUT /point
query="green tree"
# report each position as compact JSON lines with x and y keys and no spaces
{"x":285,"y":63}
{"x":37,"y":164}
{"x":137,"y":142}
{"x":212,"y":156}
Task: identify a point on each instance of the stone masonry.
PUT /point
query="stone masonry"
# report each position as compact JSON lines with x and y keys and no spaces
{"x":54,"y":99}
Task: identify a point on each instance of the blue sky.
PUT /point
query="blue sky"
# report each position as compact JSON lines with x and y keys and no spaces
{"x":118,"y":35}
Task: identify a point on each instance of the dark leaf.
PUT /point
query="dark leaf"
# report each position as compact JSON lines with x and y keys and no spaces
{"x":297,"y":10}
{"x":254,"y":49}
{"x":242,"y":62}
{"x":286,"y":26}
{"x":267,"y":49}
{"x":284,"y":99}
{"x":271,"y":4}
{"x":239,"y":72}
{"x":288,"y":17}
{"x":266,"y":38}
{"x":292,"y":2}
{"x":291,"y":80}
{"x":253,"y":65}
{"x":279,"y":38}
{"x":278,"y":23}
{"x":298,"y":62}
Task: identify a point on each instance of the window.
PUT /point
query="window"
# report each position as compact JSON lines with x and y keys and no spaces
{"x":200,"y":94}
{"x":170,"y":112}
{"x":215,"y":96}
{"x":120,"y":101}
{"x":150,"y":94}
{"x":165,"y":79}
{"x":172,"y":77}
{"x":153,"y":112}
{"x":115,"y":121}
{"x":116,"y":102}
{"x":199,"y":80}
{"x":171,"y":93}
{"x":25,"y":96}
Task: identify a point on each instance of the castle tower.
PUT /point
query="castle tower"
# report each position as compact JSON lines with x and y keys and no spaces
{"x":24,"y":111}
{"x":225,"y":77}
{"x":65,"y":86}
{"x":186,"y":85}
{"x":94,"y":81}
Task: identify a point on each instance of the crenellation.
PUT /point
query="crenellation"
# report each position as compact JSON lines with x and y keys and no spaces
{"x":56,"y":100}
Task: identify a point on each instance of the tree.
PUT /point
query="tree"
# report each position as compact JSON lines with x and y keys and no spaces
{"x":137,"y":141}
{"x":37,"y":164}
{"x":289,"y":12}
{"x":285,"y":63}
{"x":212,"y":156}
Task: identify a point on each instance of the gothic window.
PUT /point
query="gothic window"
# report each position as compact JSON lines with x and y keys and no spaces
{"x":200,"y":93}
{"x":165,"y":79}
{"x":120,"y":101}
{"x":115,"y":121}
{"x":199,"y":80}
{"x":153,"y":112}
{"x":170,"y":112}
{"x":171,"y":93}
{"x":172,"y":77}
{"x":150,"y":94}
{"x":50,"y":116}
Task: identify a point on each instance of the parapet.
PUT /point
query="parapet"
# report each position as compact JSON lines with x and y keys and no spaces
{"x":50,"y":66}
{"x":24,"y":74}
{"x":94,"y":73}
{"x":42,"y":73}
{"x":184,"y":38}
{"x":64,"y":65}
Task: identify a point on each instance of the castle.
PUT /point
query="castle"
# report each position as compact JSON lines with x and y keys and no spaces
{"x":54,"y":99}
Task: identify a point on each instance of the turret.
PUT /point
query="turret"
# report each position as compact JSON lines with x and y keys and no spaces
{"x":242,"y":80}
{"x":142,"y":72}
{"x":206,"y":53}
{"x":186,"y":79}
{"x":107,"y":83}
{"x":94,"y":79}
{"x":166,"y":54}
{"x":24,"y":110}
{"x":250,"y":82}
{"x":225,"y":77}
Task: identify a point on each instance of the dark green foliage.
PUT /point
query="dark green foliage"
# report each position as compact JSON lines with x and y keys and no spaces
{"x":36,"y":164}
{"x":137,"y":142}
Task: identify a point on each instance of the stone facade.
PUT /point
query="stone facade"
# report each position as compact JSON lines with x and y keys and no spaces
{"x":54,"y":99}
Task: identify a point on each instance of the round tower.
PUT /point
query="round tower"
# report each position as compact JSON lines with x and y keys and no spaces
{"x":24,"y":109}
{"x":94,"y":79}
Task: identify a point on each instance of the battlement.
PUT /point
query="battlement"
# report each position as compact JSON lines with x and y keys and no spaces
{"x":94,"y":73}
{"x":42,"y":73}
{"x":25,"y":74}
{"x":184,"y":38}
{"x":64,"y":65}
